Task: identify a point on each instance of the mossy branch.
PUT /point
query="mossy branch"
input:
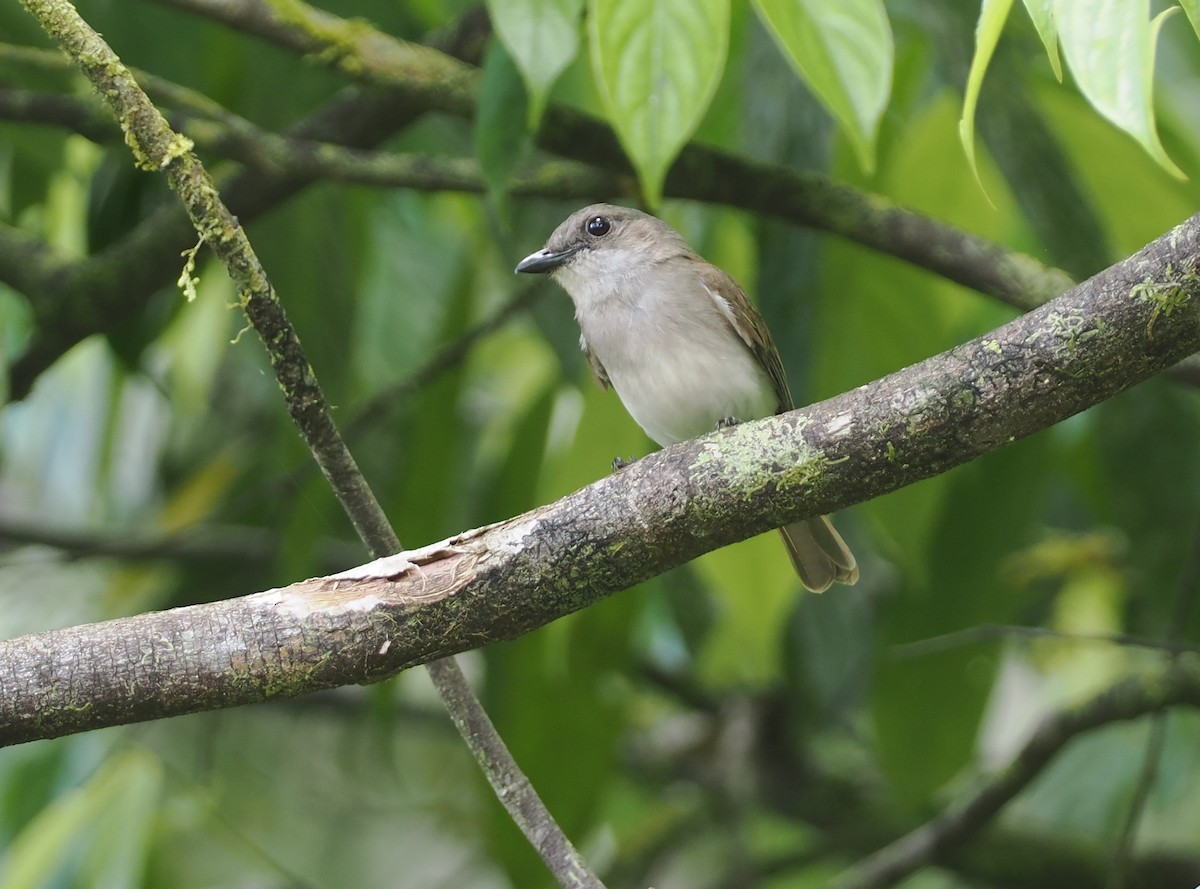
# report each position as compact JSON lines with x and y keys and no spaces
{"x":97,"y":293}
{"x":422,"y":78}
{"x":155,"y":146}
{"x":700,"y":173}
{"x":504,"y":580}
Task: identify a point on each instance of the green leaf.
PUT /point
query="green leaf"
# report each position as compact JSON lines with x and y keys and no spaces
{"x":987,"y":34}
{"x":657,"y":64}
{"x":843,"y":51}
{"x":108,"y":818}
{"x":1109,"y":45}
{"x":542,"y":36}
{"x":1192,"y":8}
{"x":744,"y":644}
{"x":501,"y":139}
{"x":927,"y":707}
{"x":1042,"y":13}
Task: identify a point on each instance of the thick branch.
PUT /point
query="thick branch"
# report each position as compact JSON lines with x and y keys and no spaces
{"x":218,"y":130}
{"x":700,"y":173}
{"x":494,"y":583}
{"x":156,"y":147}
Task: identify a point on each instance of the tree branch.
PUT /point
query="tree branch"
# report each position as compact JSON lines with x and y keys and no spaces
{"x":156,"y":147}
{"x":984,"y":632}
{"x":700,"y":173}
{"x":1178,"y":684}
{"x":667,"y":508}
{"x":120,"y":279}
{"x":218,"y":130}
{"x":229,"y":545}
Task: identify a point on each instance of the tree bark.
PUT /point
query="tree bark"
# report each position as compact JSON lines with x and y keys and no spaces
{"x":1133,"y":320}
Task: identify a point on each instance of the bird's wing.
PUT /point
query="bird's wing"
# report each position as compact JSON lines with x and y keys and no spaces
{"x":599,"y":374}
{"x":749,"y":326}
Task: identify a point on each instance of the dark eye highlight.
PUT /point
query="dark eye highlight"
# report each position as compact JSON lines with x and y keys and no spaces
{"x":598,"y":226}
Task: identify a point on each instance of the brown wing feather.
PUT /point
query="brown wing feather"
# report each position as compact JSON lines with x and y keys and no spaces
{"x":750,"y":328}
{"x":599,"y":374}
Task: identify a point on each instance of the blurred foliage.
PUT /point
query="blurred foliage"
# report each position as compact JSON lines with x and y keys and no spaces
{"x":714,"y":726}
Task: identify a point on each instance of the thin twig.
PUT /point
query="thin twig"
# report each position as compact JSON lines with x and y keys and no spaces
{"x":448,"y":356}
{"x":234,"y":545}
{"x":367,"y":55}
{"x":986,"y":632}
{"x":393,"y":397}
{"x":1185,"y":597}
{"x":958,"y":824}
{"x":239,"y":545}
{"x":156,"y":146}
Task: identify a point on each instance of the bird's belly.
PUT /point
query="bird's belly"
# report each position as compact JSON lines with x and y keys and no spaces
{"x":679,"y":393}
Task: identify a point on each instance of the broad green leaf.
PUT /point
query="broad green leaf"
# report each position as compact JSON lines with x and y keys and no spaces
{"x":744,"y":645}
{"x":1192,"y":8}
{"x":501,"y":137}
{"x":542,"y":36}
{"x":987,"y":34}
{"x":107,"y":818}
{"x":843,"y":51}
{"x":1134,"y":198}
{"x":927,"y":707}
{"x":657,"y":64}
{"x":1109,"y":45}
{"x":1042,"y":13}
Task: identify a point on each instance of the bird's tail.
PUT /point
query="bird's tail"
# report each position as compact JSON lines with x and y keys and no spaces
{"x":819,"y":554}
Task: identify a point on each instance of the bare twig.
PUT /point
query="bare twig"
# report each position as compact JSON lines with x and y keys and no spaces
{"x":984,"y":632}
{"x":156,"y":146}
{"x":1134,"y":697}
{"x":1185,"y":598}
{"x":450,"y":355}
{"x":239,"y":546}
{"x":701,"y":173}
{"x":244,"y":545}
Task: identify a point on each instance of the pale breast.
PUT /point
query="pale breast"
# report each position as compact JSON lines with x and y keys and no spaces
{"x":676,"y":364}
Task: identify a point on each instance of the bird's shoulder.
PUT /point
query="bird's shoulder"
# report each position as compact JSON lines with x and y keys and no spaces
{"x":748,"y":324}
{"x":599,"y":374}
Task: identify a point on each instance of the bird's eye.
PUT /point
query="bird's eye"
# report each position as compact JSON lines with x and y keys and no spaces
{"x":598,"y":226}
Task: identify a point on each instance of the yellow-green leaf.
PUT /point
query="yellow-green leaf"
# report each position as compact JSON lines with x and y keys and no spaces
{"x":1109,"y":45}
{"x":992,"y":16}
{"x":844,"y":52}
{"x":1042,"y":13}
{"x":657,"y":64}
{"x":542,"y":36}
{"x":1192,"y":8}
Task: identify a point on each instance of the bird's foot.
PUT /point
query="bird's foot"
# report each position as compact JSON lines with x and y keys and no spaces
{"x":727,"y":423}
{"x":619,"y":463}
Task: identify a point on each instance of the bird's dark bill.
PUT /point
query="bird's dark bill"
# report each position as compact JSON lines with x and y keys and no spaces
{"x":545,"y":260}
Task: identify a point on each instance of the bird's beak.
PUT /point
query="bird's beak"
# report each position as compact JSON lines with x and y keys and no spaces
{"x":546,"y":260}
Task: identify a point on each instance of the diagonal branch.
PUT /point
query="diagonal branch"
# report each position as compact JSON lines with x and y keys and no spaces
{"x":1177,"y":684}
{"x":119,"y":280}
{"x":155,"y":146}
{"x":494,"y":583}
{"x":700,"y":173}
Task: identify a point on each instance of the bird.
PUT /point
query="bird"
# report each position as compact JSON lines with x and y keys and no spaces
{"x":680,"y":342}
